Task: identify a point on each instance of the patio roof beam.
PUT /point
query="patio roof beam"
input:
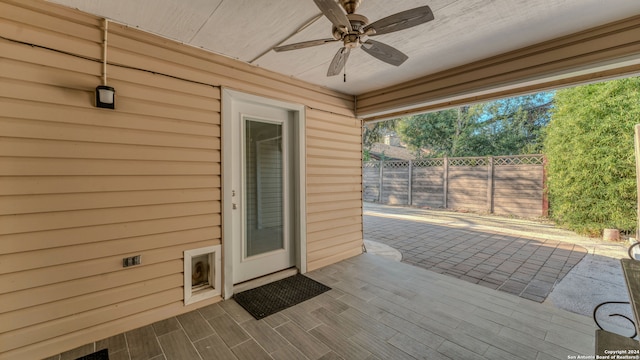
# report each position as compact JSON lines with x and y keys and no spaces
{"x":607,"y":51}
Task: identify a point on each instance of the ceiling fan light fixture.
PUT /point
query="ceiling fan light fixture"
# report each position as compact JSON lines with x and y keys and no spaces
{"x":351,"y":41}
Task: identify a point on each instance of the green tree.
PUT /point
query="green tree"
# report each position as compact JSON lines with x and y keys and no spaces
{"x":502,"y":127}
{"x":515,"y":125}
{"x":372,"y":133}
{"x":589,"y":148}
{"x":435,"y":131}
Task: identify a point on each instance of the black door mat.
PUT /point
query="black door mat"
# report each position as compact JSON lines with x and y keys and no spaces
{"x":98,"y":355}
{"x":276,"y":296}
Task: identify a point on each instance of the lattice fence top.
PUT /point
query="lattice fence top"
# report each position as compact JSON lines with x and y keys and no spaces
{"x":518,"y":160}
{"x":428,"y":162}
{"x":462,"y":161}
{"x":396,"y":164}
{"x":468,"y":161}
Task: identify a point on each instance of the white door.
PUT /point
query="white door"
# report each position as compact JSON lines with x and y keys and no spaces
{"x":261,"y":191}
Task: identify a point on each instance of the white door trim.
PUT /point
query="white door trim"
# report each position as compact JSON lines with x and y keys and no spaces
{"x":230,"y":101}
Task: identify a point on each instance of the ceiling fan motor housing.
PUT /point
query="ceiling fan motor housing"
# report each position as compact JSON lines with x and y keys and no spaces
{"x":352,"y":39}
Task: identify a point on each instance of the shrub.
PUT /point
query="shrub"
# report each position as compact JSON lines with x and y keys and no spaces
{"x":589,"y":148}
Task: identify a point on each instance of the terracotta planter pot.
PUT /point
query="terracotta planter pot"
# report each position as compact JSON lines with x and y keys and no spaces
{"x":611,"y":235}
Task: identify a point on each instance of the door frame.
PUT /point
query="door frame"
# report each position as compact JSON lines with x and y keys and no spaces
{"x":231,"y":99}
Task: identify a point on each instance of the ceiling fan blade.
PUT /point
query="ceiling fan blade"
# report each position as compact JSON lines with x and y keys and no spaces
{"x":384,"y":52}
{"x":335,"y":14}
{"x":302,"y":45}
{"x":400,"y":21}
{"x":338,"y":62}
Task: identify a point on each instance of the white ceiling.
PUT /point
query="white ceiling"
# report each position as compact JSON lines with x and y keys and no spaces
{"x":463,"y":31}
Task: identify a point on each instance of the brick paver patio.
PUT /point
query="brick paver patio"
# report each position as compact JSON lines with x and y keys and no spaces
{"x":525,"y":266}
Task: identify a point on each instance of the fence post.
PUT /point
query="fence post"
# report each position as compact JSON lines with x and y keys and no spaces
{"x":380,"y":181}
{"x":445,"y":185}
{"x":490,"y":185}
{"x":410,"y":188}
{"x":545,"y":194}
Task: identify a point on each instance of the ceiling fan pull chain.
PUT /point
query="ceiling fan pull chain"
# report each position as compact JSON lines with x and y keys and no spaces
{"x":344,"y":74}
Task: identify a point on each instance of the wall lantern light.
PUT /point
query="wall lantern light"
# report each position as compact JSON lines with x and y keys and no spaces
{"x":105,"y":97}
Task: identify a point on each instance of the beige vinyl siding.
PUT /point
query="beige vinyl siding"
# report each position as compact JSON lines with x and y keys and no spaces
{"x":334,"y":188}
{"x":81,"y":187}
{"x":84,"y":187}
{"x":143,"y":50}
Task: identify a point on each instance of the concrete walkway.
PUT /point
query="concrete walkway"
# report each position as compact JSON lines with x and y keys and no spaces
{"x":533,"y":260}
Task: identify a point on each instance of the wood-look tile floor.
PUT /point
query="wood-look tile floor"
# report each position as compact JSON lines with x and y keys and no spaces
{"x":377,"y":309}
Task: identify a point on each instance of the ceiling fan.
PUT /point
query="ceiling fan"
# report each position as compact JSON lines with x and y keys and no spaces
{"x":354,"y":31}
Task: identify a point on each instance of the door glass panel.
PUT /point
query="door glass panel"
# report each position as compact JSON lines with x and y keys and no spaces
{"x":264,"y":197}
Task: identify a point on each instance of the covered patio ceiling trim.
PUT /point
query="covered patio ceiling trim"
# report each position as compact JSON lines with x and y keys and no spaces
{"x":440,"y":104}
{"x":599,"y":53}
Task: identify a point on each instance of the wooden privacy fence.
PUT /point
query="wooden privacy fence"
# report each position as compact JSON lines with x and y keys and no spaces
{"x":508,"y":185}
